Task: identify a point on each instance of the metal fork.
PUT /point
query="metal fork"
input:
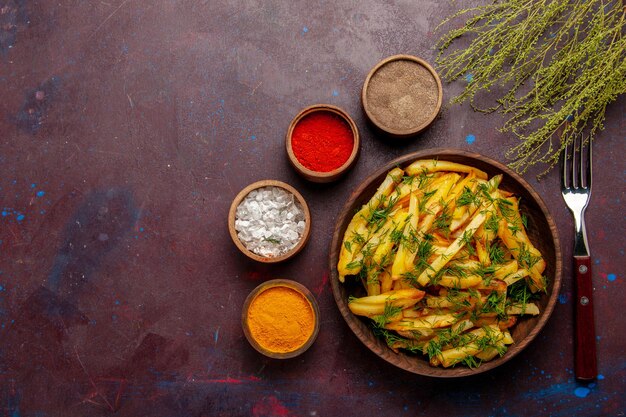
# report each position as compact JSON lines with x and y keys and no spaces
{"x":576,"y":191}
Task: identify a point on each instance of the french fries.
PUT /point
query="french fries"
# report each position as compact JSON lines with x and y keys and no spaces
{"x":446,"y":263}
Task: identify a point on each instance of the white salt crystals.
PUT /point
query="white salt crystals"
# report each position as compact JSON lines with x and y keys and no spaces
{"x":269,"y":221}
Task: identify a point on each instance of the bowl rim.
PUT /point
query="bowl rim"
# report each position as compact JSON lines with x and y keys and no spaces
{"x":294,"y":285}
{"x":386,"y":353}
{"x":337,"y":172}
{"x":232,"y":214}
{"x":389,"y":130}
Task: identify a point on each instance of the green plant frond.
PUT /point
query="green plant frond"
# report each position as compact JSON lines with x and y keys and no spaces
{"x":552,"y":67}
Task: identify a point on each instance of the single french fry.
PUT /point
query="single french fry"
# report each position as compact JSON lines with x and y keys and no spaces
{"x":412,"y":345}
{"x":494,"y":285}
{"x":432,"y":165}
{"x":371,"y":246}
{"x":386,"y":283}
{"x":433,"y":321}
{"x":358,"y":224}
{"x":491,"y":352}
{"x":397,"y":315}
{"x":412,"y":313}
{"x":434,"y":204}
{"x":502,"y":324}
{"x":386,"y":242}
{"x":481,"y":251}
{"x":399,"y":263}
{"x":372,"y":287}
{"x":392,"y":297}
{"x":506,"y":269}
{"x":463,"y":212}
{"x":453,"y":302}
{"x":463,"y":282}
{"x":512,"y":232}
{"x":423,"y":333}
{"x":516,"y":276}
{"x":521,"y":309}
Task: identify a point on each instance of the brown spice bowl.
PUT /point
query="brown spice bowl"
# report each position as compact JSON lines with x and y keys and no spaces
{"x":402,"y":95}
{"x":232,"y":215}
{"x":541,"y":230}
{"x":288,"y":284}
{"x":316,"y":176}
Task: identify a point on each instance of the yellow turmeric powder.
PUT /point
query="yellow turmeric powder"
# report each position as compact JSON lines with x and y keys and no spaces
{"x":281,"y":319}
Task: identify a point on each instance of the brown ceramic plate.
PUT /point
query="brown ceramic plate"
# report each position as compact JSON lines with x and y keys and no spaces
{"x":541,"y":231}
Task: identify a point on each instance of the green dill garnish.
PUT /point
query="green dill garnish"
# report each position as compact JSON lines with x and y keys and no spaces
{"x":524,"y":220}
{"x":423,"y":252}
{"x":467,"y":241}
{"x":423,"y":179}
{"x":434,"y":349}
{"x":390,"y":338}
{"x":459,"y":300}
{"x":471,"y":362}
{"x":505,"y":208}
{"x":379,"y":216}
{"x":442,"y":222}
{"x":519,"y":293}
{"x":396,"y":235}
{"x":358,"y":238}
{"x":410,"y":277}
{"x":467,"y":197}
{"x":348,"y":245}
{"x":388,"y":313}
{"x":525,"y":258}
{"x":411,"y":240}
{"x":495,"y":303}
{"x":353,"y":265}
{"x":492,"y":224}
{"x":272,"y":240}
{"x":408,"y":179}
{"x":496,"y":253}
{"x":396,"y":178}
{"x":421,"y":206}
{"x":484,"y":271}
{"x":514,"y":228}
{"x":483,"y":191}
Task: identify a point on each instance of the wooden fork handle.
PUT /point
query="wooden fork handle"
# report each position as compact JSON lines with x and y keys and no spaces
{"x":585,"y":349}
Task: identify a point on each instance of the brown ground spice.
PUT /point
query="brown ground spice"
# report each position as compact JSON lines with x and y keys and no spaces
{"x":402,"y":95}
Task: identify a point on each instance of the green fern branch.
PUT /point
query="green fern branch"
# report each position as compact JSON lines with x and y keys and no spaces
{"x":553,"y":65}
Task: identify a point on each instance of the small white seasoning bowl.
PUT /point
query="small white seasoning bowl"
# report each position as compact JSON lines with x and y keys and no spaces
{"x":232,"y":215}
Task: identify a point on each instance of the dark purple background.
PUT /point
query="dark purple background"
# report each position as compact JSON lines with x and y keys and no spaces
{"x":127,"y":127}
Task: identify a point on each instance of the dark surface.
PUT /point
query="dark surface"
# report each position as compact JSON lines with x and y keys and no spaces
{"x":127,"y":127}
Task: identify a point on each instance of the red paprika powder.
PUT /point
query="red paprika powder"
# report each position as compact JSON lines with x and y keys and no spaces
{"x":322,"y":141}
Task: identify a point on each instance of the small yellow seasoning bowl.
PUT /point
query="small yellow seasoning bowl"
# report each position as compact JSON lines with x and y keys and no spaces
{"x":280,"y":318}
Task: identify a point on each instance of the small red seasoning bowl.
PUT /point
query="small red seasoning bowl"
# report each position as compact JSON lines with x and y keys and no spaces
{"x":322,"y":143}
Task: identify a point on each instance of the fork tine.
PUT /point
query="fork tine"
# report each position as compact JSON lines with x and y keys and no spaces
{"x":564,"y":166}
{"x":582,"y":171}
{"x":576,"y":161}
{"x":589,"y":164}
{"x":572,"y":171}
